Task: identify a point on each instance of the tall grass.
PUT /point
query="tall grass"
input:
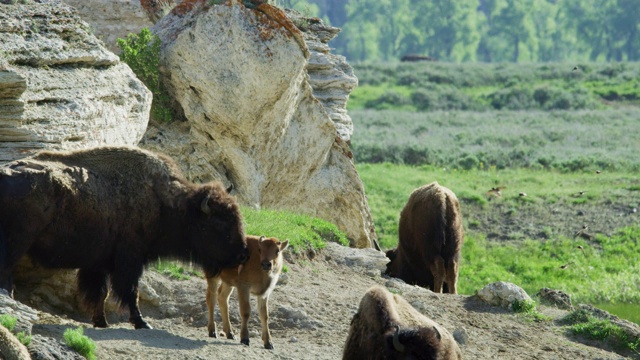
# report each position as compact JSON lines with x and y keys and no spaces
{"x":563,"y":140}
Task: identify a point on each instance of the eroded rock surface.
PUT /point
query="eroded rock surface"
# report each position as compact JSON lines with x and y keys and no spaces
{"x":60,"y":87}
{"x":240,"y":77}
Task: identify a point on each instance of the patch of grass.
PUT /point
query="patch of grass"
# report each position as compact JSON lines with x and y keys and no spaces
{"x":9,"y":322}
{"x":301,"y":230}
{"x":83,"y":345}
{"x":175,"y":270}
{"x":529,"y":309}
{"x":582,"y":323}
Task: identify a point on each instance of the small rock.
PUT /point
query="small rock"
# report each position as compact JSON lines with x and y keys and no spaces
{"x":461,"y":336}
{"x":502,"y":294}
{"x":293,"y":339}
{"x":556,"y":298}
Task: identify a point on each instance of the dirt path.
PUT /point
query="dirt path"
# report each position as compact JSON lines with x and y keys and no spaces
{"x":310,"y":315}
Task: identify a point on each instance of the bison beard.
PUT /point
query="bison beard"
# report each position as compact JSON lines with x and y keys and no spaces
{"x":108,"y":212}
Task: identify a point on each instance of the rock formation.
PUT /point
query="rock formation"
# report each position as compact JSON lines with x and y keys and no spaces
{"x":112,"y":19}
{"x":241,"y":76}
{"x":59,"y":87}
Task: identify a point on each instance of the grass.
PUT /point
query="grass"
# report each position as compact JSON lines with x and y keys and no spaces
{"x":583,"y":323}
{"x":303,"y":232}
{"x":528,"y":309}
{"x":9,"y":322}
{"x":388,"y":187}
{"x":561,"y":140}
{"x":83,"y":345}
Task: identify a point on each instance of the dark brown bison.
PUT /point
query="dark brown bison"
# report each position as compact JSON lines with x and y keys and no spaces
{"x":430,"y":239}
{"x":386,"y":326}
{"x":258,"y":276}
{"x":108,"y":211}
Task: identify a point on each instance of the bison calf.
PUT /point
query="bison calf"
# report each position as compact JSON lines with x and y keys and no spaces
{"x":258,"y":276}
{"x":108,"y":212}
{"x":386,"y":326}
{"x":430,"y":240}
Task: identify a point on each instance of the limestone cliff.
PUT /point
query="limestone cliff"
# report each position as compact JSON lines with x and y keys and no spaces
{"x":241,"y":76}
{"x":59,"y":87}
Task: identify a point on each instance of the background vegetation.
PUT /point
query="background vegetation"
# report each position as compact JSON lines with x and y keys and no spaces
{"x":481,"y":30}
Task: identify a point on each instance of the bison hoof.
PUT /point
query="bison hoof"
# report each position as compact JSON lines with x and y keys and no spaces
{"x":141,"y":324}
{"x":100,"y":323}
{"x":230,"y":336}
{"x":213,"y":334}
{"x":245,"y":341}
{"x":268,"y":346}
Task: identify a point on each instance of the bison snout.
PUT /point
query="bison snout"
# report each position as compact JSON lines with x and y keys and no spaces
{"x":266,"y":265}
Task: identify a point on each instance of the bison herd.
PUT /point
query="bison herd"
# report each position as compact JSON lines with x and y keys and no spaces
{"x":109,"y":211}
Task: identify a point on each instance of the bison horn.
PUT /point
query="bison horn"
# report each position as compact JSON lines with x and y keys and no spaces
{"x":437,"y":333}
{"x":204,"y":206}
{"x":263,"y":238}
{"x":230,"y":188}
{"x":396,"y":340}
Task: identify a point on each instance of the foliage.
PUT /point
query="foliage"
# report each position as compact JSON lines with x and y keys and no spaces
{"x":529,"y":309}
{"x":302,"y":231}
{"x":9,"y":322}
{"x":142,"y":53}
{"x":566,"y":141}
{"x":481,"y":87}
{"x":83,"y":345}
{"x":477,"y":30}
{"x":581,"y":322}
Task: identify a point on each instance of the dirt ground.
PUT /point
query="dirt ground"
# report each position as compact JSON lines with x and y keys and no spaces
{"x":310,"y":312}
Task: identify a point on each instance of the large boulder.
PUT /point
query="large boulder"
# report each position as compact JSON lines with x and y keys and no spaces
{"x":59,"y":87}
{"x":240,"y":76}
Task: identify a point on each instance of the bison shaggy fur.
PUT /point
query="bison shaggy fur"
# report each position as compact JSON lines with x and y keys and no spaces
{"x":430,"y":240}
{"x":109,"y":211}
{"x":386,"y":326}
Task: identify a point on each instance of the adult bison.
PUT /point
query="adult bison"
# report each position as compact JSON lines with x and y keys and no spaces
{"x":430,"y":239}
{"x":108,"y":211}
{"x":386,"y":326}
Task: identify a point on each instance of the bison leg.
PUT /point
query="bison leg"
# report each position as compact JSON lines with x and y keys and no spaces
{"x":92,"y":284}
{"x":245,"y":312}
{"x":124,"y":281}
{"x":212,"y":298}
{"x":263,"y":310}
{"x":451,"y":276}
{"x":437,"y":269}
{"x":224,"y":292}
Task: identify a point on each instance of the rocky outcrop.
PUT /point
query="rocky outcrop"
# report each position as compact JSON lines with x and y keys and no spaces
{"x":240,"y":76}
{"x":112,"y":19}
{"x":59,"y":87}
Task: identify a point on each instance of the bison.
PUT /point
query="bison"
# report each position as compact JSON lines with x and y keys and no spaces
{"x":386,"y":326}
{"x":258,"y":277}
{"x":109,"y":211}
{"x":430,"y":239}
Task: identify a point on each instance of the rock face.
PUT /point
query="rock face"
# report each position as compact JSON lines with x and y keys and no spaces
{"x":59,"y":87}
{"x":240,"y":76}
{"x":112,"y":19}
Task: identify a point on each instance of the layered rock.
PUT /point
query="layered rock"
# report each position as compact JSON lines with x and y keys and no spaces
{"x":59,"y":87}
{"x":240,"y":77}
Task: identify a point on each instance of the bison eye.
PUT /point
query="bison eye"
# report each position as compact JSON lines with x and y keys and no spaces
{"x":277,"y":252}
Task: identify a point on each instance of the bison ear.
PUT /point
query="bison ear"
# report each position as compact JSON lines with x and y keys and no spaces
{"x":437,"y":333}
{"x":204,"y":205}
{"x":284,"y":244}
{"x":230,"y":188}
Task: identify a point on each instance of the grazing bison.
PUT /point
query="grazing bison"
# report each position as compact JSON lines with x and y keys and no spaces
{"x":430,"y":239}
{"x":258,"y":277}
{"x":386,"y":326}
{"x":108,"y":211}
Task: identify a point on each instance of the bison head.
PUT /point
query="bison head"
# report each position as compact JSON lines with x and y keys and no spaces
{"x":421,"y":343}
{"x":217,"y":234}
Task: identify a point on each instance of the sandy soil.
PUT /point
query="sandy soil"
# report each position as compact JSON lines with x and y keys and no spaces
{"x":310,"y":314}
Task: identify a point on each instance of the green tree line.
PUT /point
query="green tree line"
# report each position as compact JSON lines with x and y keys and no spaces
{"x":481,"y":30}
